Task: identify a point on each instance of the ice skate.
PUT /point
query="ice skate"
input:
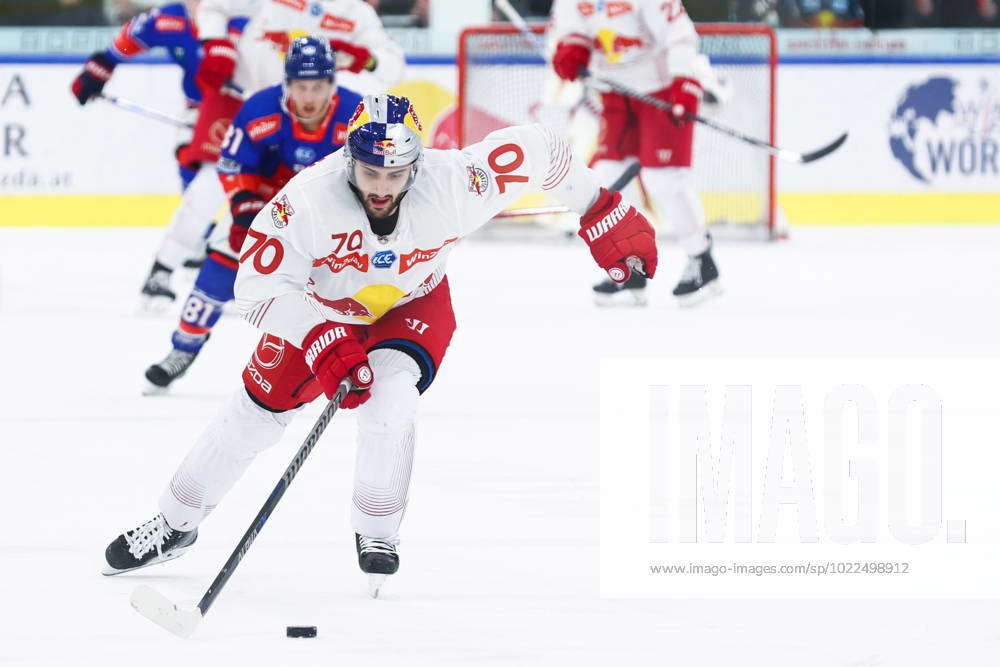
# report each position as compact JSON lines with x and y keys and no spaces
{"x":152,"y":542}
{"x":700,"y":280}
{"x":156,"y":293}
{"x":160,"y":375}
{"x":378,"y":559}
{"x":630,"y":293}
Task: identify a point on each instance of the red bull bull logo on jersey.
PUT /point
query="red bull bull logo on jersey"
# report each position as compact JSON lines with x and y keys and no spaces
{"x":615,"y":46}
{"x":347,"y":306}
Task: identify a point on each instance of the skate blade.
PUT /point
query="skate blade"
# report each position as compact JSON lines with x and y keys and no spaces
{"x":375,"y":582}
{"x":166,"y":614}
{"x":712,"y":289}
{"x":109,"y":571}
{"x":623,"y":299}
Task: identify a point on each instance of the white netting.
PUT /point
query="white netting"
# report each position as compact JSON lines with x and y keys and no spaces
{"x":503,"y":81}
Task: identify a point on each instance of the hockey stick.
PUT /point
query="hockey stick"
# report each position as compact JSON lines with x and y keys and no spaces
{"x":783,"y":153}
{"x":619,"y":184}
{"x":142,"y":110}
{"x":183,"y":622}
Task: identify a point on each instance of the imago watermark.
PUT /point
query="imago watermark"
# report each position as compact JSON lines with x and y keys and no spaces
{"x":798,"y":466}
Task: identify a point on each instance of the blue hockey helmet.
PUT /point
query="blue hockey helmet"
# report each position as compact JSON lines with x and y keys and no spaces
{"x":309,"y":58}
{"x":384,"y":132}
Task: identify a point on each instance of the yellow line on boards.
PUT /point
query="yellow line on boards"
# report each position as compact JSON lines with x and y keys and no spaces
{"x":799,"y":208}
{"x":87,"y":210}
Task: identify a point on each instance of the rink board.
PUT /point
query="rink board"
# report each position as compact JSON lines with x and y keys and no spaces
{"x":61,"y":165}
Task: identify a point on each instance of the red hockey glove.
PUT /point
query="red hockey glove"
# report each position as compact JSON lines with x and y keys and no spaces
{"x":683,"y":95}
{"x":217,"y":64}
{"x":333,"y":353}
{"x":216,"y":113}
{"x":244,"y":206}
{"x":352,"y":57}
{"x":90,"y":82}
{"x":572,"y":55}
{"x":616,"y":232}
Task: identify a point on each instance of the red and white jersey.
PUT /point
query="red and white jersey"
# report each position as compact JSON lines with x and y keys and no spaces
{"x":312,"y":256}
{"x":642,"y":44}
{"x":274,"y":24}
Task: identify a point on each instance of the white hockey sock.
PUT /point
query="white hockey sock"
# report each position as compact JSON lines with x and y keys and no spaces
{"x":185,"y":234}
{"x":671,"y":191}
{"x":386,"y":433}
{"x":221,"y":455}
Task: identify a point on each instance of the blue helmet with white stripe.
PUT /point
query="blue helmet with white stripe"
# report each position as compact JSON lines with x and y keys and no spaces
{"x":309,"y":58}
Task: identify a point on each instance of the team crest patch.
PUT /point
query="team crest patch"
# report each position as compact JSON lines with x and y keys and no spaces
{"x":281,"y":212}
{"x":479,"y":182}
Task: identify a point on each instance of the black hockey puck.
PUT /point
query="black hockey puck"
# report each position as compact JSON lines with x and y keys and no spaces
{"x":301,"y":631}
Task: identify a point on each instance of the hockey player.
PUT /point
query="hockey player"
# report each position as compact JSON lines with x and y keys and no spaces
{"x":355,"y":32}
{"x":277,"y":133}
{"x":344,"y":272}
{"x":170,"y":26}
{"x":650,"y":46}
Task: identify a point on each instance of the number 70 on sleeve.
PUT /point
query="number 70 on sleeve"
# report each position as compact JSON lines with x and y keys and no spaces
{"x":267,"y":252}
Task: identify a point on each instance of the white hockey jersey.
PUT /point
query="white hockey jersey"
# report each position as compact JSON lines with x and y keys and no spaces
{"x":311,"y":255}
{"x":274,"y":23}
{"x":642,"y":44}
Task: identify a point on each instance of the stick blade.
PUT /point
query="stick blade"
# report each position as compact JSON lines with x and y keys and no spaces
{"x":826,"y":150}
{"x":157,"y":608}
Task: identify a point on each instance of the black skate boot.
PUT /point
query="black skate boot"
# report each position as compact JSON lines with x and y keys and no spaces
{"x":152,"y":542}
{"x":378,"y":558}
{"x":156,"y":292}
{"x":162,"y":373}
{"x":630,"y":293}
{"x":700,"y":280}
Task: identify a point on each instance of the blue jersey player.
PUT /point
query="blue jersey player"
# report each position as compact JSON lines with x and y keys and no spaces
{"x":172,"y":27}
{"x":278,"y":132}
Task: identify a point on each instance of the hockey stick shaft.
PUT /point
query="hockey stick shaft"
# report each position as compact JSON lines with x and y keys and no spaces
{"x":783,"y":153}
{"x":272,"y":501}
{"x":143,"y":110}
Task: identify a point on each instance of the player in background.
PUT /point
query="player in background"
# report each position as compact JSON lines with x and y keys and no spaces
{"x":345,"y":274}
{"x":171,"y":27}
{"x":650,"y":46}
{"x":356,"y":34}
{"x":277,"y":133}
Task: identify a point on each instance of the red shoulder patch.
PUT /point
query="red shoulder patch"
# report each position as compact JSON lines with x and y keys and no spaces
{"x":331,"y":22}
{"x":298,"y":5}
{"x":259,"y":128}
{"x":166,"y":23}
{"x":586,"y":8}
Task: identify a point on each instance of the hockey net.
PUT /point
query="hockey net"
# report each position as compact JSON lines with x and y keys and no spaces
{"x":503,"y":81}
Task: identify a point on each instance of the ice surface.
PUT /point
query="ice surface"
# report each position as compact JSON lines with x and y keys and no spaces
{"x":499,"y":550}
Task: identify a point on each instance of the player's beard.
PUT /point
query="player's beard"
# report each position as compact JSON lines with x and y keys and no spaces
{"x":382,"y":211}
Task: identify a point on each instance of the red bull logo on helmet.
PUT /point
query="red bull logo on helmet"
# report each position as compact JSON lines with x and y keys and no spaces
{"x":384,"y":147}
